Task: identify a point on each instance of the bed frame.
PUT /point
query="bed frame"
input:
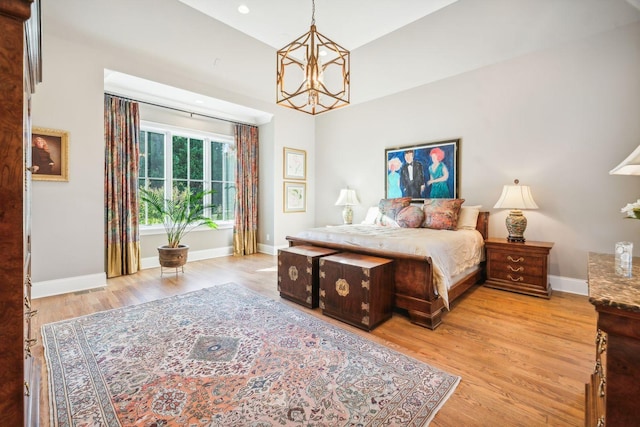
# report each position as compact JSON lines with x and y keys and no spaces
{"x":413,"y":276}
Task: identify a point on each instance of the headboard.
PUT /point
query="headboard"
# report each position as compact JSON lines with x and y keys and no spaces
{"x":483,"y":224}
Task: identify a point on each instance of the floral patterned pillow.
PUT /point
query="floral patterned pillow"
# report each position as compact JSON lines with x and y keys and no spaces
{"x":410,"y":217}
{"x":441,"y":214}
{"x":389,"y":209}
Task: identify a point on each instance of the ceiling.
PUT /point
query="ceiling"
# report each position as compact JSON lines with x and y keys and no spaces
{"x":351,"y":23}
{"x":395,"y":45}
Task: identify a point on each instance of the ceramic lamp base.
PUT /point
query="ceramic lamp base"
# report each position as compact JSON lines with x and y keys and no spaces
{"x":347,"y":214}
{"x":516,"y":224}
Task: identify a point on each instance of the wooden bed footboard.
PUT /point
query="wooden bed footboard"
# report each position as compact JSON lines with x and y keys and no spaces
{"x":413,"y":277}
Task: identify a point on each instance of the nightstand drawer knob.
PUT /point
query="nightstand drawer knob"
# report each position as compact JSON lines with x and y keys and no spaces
{"x":517,"y":279}
{"x":519,"y":259}
{"x":516,"y":270}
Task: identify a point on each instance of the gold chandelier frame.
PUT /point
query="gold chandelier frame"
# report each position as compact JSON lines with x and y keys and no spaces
{"x":311,"y":94}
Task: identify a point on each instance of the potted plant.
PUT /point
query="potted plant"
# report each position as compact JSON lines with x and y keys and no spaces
{"x":180,"y":215}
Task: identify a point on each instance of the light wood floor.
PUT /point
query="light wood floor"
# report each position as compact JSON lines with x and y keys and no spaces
{"x":523,"y":360}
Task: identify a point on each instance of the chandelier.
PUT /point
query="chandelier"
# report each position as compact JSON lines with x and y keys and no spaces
{"x":313,"y":73}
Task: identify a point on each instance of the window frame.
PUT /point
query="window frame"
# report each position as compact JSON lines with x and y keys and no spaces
{"x":169,"y":131}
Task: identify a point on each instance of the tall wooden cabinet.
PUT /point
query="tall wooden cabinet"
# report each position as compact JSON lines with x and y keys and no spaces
{"x":614,"y":387}
{"x":19,"y":72}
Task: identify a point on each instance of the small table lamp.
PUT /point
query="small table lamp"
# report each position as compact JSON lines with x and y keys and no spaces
{"x":516,"y":197}
{"x":347,"y":198}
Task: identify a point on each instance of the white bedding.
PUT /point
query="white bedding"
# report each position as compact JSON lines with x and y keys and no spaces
{"x":451,"y":252}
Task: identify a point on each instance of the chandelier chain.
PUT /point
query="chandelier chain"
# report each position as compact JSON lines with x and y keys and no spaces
{"x":313,"y":12}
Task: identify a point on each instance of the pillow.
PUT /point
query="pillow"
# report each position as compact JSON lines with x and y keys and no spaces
{"x":441,"y":214}
{"x":410,"y":217}
{"x":372,"y":215}
{"x":468,"y":217}
{"x":389,"y":209}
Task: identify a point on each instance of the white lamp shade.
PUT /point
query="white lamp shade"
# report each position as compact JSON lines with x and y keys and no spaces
{"x":516,"y":197}
{"x":630,"y":165}
{"x":347,"y":198}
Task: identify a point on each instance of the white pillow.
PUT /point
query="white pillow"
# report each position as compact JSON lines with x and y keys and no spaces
{"x":372,"y":214}
{"x":468,"y":217}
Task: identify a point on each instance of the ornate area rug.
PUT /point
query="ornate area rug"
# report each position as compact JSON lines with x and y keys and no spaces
{"x":226,"y":356}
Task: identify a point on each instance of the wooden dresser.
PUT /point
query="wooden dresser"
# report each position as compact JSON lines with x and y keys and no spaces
{"x":19,"y":73}
{"x":612,"y":394}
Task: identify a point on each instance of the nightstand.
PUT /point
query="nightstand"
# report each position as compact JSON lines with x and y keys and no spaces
{"x":518,"y":267}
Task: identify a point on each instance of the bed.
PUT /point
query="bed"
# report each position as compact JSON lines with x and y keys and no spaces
{"x":422,"y":288}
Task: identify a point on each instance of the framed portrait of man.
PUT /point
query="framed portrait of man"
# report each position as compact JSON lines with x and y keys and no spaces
{"x":423,"y":171}
{"x":49,"y":154}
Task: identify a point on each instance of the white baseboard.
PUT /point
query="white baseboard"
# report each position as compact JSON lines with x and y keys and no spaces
{"x":48,"y":288}
{"x":568,"y":284}
{"x":267,"y":249}
{"x":270,"y":249}
{"x":91,"y":281}
{"x":153,"y":262}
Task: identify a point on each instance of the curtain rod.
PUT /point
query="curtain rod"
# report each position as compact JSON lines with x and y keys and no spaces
{"x":178,"y":109}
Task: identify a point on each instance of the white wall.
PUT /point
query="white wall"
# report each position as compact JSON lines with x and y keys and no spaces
{"x":300,"y":133}
{"x":68,"y":218}
{"x":558,"y":120}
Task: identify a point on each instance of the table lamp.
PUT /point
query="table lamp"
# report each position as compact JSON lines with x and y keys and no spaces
{"x":347,"y":198}
{"x":630,"y":165}
{"x":516,"y":197}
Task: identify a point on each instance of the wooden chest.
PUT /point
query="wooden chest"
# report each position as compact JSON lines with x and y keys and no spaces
{"x":357,"y":289}
{"x":518,"y":267}
{"x":298,"y":273}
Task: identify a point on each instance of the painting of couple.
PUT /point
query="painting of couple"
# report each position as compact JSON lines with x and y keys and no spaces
{"x":427,"y":171}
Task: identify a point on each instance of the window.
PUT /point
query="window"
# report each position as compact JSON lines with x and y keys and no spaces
{"x":179,"y":159}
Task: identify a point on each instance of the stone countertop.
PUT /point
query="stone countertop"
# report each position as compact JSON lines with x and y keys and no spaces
{"x":609,"y":289}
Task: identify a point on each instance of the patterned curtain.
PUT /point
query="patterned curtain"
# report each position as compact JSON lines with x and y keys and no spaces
{"x":246,"y":222}
{"x":121,"y":134}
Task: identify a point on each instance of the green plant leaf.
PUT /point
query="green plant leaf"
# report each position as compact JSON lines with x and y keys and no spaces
{"x":183,"y":213}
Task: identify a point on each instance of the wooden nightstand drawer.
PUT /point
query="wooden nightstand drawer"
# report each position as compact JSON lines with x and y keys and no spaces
{"x":518,"y":267}
{"x":508,"y":276}
{"x":517,"y":259}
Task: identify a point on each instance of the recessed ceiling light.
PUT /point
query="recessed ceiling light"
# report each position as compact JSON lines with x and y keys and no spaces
{"x":199,"y":101}
{"x":244,"y":9}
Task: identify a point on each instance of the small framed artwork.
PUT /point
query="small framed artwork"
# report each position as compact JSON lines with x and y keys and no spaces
{"x":295,"y":197}
{"x":424,"y":171}
{"x":295,"y":164}
{"x":49,"y":154}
